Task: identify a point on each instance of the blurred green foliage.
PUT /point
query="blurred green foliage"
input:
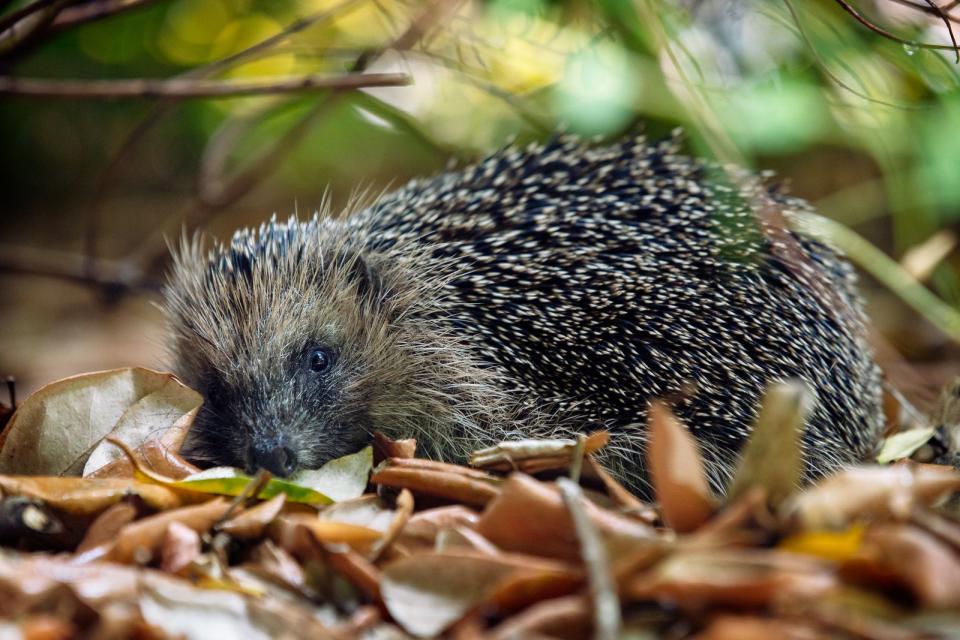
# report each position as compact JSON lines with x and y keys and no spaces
{"x":864,"y":125}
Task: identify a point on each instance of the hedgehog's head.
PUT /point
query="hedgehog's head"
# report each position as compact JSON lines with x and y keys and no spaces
{"x":303,"y":343}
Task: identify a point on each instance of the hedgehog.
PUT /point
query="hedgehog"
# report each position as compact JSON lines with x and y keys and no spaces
{"x":539,"y":293}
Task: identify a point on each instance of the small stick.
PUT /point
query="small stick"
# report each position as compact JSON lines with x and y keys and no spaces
{"x":606,"y":604}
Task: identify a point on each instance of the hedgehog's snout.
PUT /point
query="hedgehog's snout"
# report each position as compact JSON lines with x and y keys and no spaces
{"x":272,"y":455}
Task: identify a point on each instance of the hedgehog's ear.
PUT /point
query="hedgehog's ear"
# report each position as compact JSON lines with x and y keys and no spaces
{"x":367,"y":273}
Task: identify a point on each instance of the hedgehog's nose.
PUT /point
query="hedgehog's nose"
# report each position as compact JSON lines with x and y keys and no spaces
{"x":277,"y":459}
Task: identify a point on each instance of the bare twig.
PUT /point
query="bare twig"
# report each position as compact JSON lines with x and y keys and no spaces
{"x":96,"y":10}
{"x":163,"y":107}
{"x":16,"y":16}
{"x":241,"y":182}
{"x":925,"y":8}
{"x":194,"y":88}
{"x":825,"y":69}
{"x":606,"y":604}
{"x":114,"y":276}
{"x":25,"y":24}
{"x":859,"y":17}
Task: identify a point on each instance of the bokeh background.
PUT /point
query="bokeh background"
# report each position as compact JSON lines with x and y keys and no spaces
{"x":843,"y":100}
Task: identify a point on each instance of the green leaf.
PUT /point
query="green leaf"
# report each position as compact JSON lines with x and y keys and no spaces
{"x":340,"y":479}
{"x":229,"y":481}
{"x":902,"y":445}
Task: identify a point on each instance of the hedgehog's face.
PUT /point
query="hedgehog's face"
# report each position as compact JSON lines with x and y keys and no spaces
{"x":301,"y":353}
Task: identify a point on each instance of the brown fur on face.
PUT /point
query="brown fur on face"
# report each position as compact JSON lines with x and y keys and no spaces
{"x":245,"y":320}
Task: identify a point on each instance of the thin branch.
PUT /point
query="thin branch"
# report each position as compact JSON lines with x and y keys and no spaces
{"x":14,"y":17}
{"x":825,"y":68}
{"x":163,"y":107}
{"x":25,"y":24}
{"x":926,"y":9}
{"x":206,"y":206}
{"x":194,"y":88}
{"x":943,"y":17}
{"x":606,"y":605}
{"x":90,"y":11}
{"x":859,"y":17}
{"x":114,"y":276}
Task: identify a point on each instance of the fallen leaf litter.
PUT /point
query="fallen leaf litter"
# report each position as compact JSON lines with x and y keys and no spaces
{"x":382,"y":544}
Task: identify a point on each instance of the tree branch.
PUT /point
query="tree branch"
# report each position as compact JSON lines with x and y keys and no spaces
{"x":859,"y":17}
{"x":194,"y":88}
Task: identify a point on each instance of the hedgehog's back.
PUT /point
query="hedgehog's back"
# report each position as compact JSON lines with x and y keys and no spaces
{"x":596,"y":278}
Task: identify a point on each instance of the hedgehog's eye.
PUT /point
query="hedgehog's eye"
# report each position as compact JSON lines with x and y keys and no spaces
{"x":321,"y":360}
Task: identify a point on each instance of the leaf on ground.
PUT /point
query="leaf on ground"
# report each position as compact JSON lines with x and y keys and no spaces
{"x":229,"y":481}
{"x":903,"y":444}
{"x":384,"y":447}
{"x":733,"y":577}
{"x":530,"y":517}
{"x":830,"y":545}
{"x":772,"y":458}
{"x":927,"y":567}
{"x":438,"y":479}
{"x":531,"y":456}
{"x":367,"y":511}
{"x":152,"y":455}
{"x":677,"y":471}
{"x":87,"y":496}
{"x":251,"y":523}
{"x":743,"y":627}
{"x":339,"y":479}
{"x":870,"y":491}
{"x":429,"y":592}
{"x":566,"y":617}
{"x":179,"y":549}
{"x":140,"y":541}
{"x":59,"y":429}
{"x":107,"y":525}
{"x":423,"y":528}
{"x":287,"y":531}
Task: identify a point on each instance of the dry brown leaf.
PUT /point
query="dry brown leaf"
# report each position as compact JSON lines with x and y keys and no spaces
{"x":271,"y":562}
{"x":251,"y":523}
{"x":870,"y":492}
{"x":916,"y":560}
{"x":152,"y":455}
{"x":732,"y":577}
{"x":427,"y":593}
{"x":533,"y":456}
{"x":530,"y":517}
{"x":452,"y":485}
{"x":744,"y":522}
{"x":287,"y":531}
{"x":384,"y":448}
{"x":734,"y":627}
{"x":358,"y":571}
{"x":59,"y":427}
{"x":139,"y":541}
{"x":626,"y":500}
{"x":944,"y":528}
{"x":366,"y":511}
{"x":107,"y":525}
{"x":47,"y":627}
{"x":423,"y":528}
{"x":84,"y":497}
{"x":677,"y":471}
{"x":180,"y":548}
{"x":772,"y":458}
{"x":125,"y":595}
{"x":454,"y":539}
{"x":567,"y":617}
{"x":401,"y":517}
